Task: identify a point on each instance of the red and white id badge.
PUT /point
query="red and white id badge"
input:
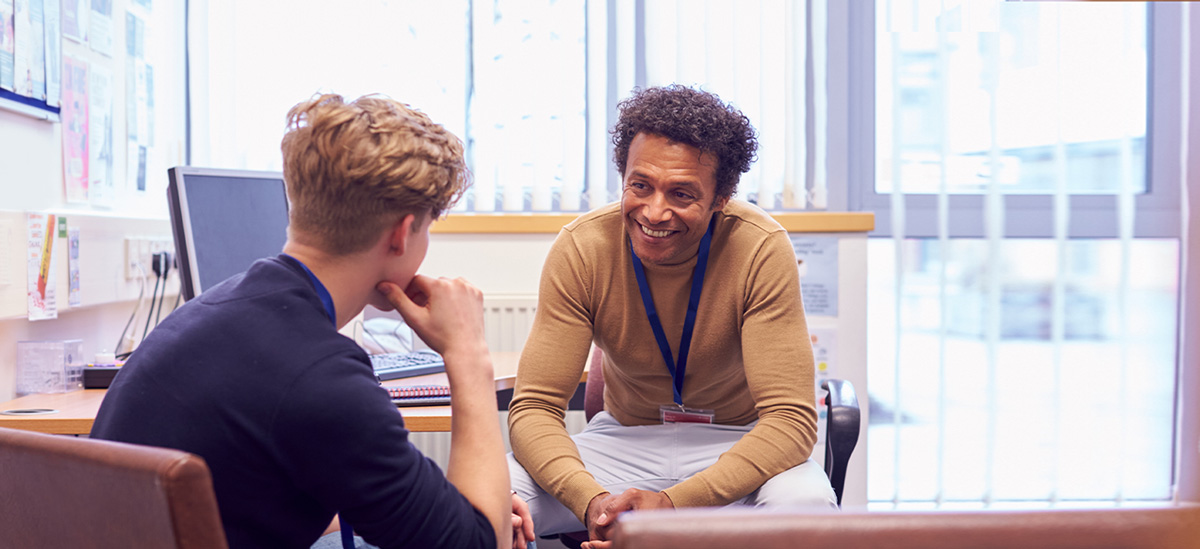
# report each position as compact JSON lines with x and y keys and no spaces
{"x":681,"y":414}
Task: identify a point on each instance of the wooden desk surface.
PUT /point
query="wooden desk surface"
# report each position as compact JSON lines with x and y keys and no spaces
{"x":74,"y":412}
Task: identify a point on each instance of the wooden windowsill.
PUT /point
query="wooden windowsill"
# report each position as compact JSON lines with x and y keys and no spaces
{"x":527,"y":223}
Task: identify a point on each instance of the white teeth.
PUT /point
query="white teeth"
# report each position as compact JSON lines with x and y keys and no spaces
{"x":656,"y":234}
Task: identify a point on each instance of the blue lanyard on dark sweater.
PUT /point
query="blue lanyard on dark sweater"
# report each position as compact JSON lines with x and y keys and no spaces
{"x":327,"y":302}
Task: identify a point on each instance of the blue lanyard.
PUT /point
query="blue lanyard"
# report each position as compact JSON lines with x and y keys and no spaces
{"x":322,"y":293}
{"x":327,"y":301}
{"x":689,"y":322}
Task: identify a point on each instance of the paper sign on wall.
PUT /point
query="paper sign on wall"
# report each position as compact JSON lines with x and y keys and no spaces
{"x":41,"y":266}
{"x":818,"y":261}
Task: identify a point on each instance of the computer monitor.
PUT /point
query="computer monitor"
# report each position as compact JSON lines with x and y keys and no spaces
{"x":224,"y":220}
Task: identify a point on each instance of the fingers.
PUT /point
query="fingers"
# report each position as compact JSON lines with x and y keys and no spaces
{"x":520,"y":540}
{"x":625,"y":501}
{"x":597,"y":544}
{"x":521,"y":510}
{"x":401,"y":300}
{"x":419,"y":289}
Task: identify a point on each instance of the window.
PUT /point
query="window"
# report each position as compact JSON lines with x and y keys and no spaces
{"x":1023,"y":312}
{"x":506,"y":77}
{"x":530,"y":87}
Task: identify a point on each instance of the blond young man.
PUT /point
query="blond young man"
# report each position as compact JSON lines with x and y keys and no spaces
{"x":254,"y":377}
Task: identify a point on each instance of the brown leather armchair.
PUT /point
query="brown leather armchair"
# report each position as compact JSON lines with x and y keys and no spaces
{"x":1163,"y":527}
{"x":58,"y":491}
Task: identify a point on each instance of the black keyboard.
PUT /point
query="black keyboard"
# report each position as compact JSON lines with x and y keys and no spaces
{"x":401,"y":365}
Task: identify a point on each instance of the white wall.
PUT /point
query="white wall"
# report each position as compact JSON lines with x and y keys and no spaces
{"x":31,"y":180}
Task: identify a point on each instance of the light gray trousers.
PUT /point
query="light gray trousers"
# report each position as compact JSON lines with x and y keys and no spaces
{"x":656,"y":457}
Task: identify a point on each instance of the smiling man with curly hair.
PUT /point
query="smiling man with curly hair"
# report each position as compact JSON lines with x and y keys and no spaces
{"x":693,"y":298}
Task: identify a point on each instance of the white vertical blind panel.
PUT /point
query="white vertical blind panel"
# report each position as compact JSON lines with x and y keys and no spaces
{"x":626,"y":48}
{"x":1062,"y":212}
{"x":770,"y":97}
{"x":746,"y":77}
{"x":795,"y":112}
{"x":818,"y":194}
{"x":662,"y":48}
{"x":943,"y":213}
{"x":487,"y":158}
{"x":898,"y":218}
{"x":597,"y":104}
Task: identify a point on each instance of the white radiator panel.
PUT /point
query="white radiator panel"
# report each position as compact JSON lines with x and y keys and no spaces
{"x":507,"y":321}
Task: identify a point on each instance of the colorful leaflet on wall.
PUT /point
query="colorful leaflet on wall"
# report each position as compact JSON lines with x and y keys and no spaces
{"x":75,"y":129}
{"x":41,"y":267}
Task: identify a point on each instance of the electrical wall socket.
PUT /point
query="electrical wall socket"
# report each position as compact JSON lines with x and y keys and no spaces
{"x":140,"y":251}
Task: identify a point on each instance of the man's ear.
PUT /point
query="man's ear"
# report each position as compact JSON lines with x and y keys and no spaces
{"x":398,"y":237}
{"x":719,"y":203}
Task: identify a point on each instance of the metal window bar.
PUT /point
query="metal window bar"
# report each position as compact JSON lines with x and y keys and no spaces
{"x":1062,"y":219}
{"x":993,"y":216}
{"x":943,"y":235}
{"x":898,"y":221}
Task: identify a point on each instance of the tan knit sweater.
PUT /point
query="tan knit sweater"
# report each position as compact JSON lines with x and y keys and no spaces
{"x":750,"y":356}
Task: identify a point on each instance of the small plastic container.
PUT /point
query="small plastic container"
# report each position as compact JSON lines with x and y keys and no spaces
{"x":49,"y":366}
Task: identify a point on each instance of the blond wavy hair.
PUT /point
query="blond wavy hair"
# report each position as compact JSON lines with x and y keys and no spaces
{"x":354,"y":169}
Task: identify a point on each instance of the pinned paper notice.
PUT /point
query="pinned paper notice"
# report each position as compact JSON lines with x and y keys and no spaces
{"x":818,"y":263}
{"x":41,"y":266}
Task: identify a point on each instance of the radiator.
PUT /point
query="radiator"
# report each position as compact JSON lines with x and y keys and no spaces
{"x":506,"y":323}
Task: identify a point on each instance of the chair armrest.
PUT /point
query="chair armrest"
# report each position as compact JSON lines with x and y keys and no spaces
{"x":841,"y":430}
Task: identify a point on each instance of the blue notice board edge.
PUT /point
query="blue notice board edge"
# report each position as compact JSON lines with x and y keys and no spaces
{"x":28,"y":106}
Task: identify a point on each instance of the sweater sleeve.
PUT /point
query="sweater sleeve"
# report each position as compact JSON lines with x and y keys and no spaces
{"x":342,"y":440}
{"x":551,"y":364}
{"x":778,"y":361}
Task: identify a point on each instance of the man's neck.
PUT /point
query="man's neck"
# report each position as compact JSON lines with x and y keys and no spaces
{"x":344,"y":277}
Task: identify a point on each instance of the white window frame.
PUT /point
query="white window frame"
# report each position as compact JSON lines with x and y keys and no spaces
{"x":1026,"y":215}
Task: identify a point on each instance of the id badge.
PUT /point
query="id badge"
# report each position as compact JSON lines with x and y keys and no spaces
{"x":681,"y":414}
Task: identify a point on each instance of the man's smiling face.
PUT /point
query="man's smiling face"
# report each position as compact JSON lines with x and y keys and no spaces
{"x":668,"y":196}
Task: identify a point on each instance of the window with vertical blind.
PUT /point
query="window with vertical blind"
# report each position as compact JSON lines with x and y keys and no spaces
{"x":530,"y":86}
{"x":1023,"y":164}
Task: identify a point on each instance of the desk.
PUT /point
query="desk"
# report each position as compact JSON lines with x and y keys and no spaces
{"x":76,"y":410}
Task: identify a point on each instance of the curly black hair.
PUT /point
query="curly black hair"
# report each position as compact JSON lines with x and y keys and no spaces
{"x":692,"y":117}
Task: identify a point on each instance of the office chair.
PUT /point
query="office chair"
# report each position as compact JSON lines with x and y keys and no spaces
{"x":58,"y":491}
{"x":841,"y":428}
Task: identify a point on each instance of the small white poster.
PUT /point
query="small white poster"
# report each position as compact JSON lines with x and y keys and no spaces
{"x":100,"y":27}
{"x":817,"y":257}
{"x":101,"y":187}
{"x":53,"y":37}
{"x":73,"y":296}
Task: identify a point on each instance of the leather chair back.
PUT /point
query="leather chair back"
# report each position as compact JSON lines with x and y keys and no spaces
{"x":58,"y":491}
{"x":1163,"y":527}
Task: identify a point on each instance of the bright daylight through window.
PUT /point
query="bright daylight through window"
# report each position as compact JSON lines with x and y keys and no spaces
{"x":1016,"y":371}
